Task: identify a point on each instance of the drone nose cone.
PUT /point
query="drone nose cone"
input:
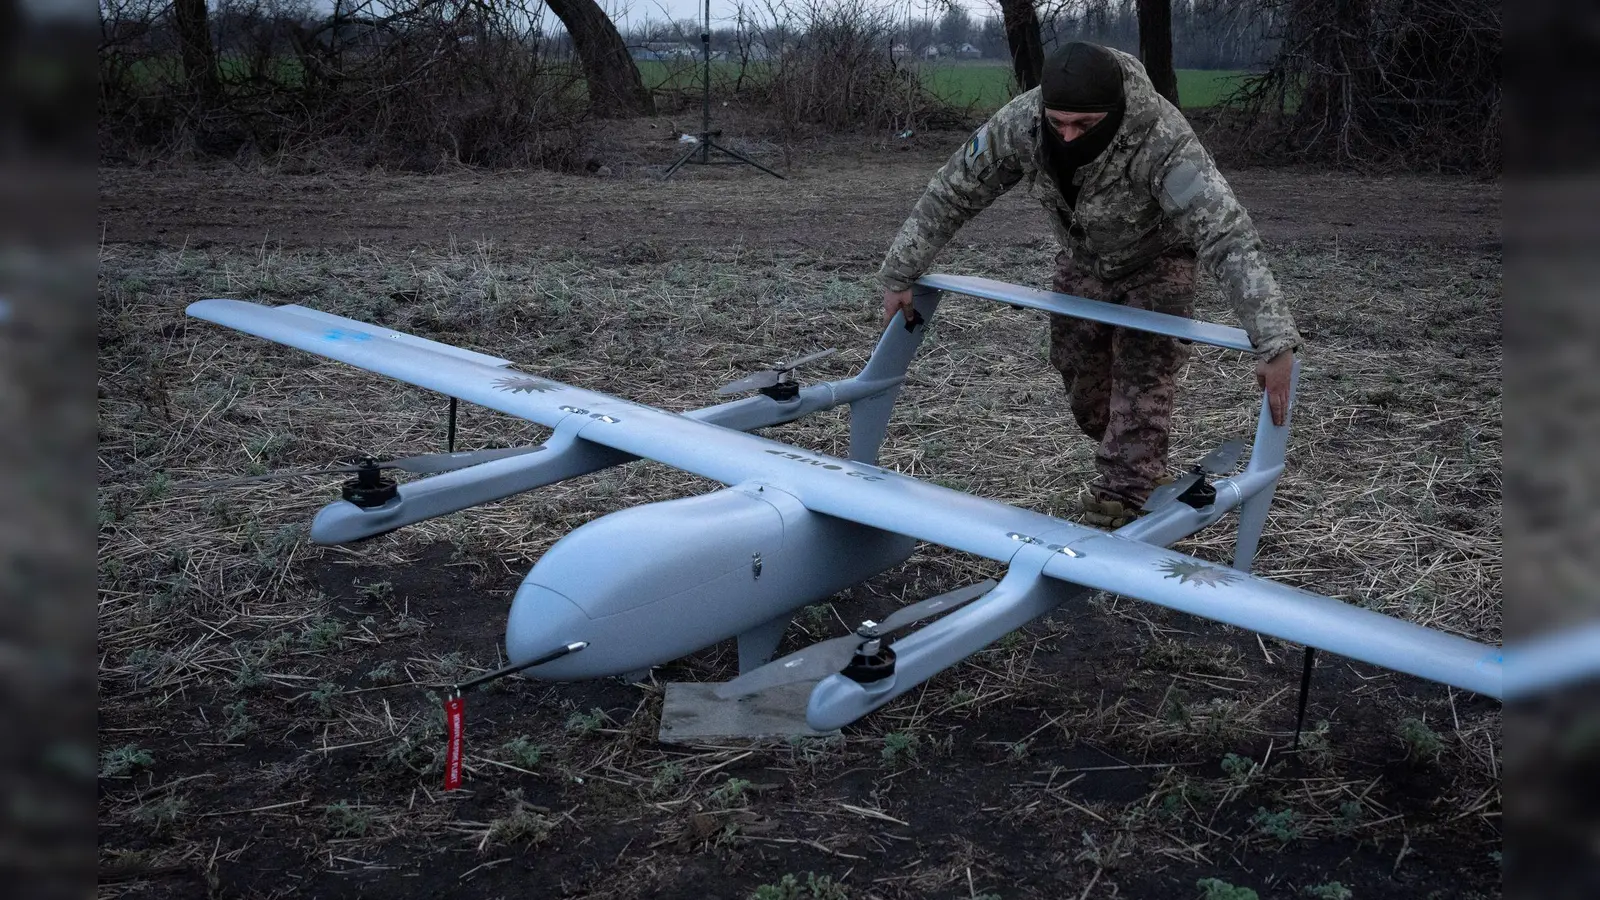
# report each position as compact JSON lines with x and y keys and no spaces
{"x":542,"y":620}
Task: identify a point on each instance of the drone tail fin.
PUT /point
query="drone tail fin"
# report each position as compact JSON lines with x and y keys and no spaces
{"x":869,"y":416}
{"x":1267,"y":455}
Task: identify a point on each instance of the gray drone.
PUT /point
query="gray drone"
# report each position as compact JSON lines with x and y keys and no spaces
{"x":646,"y":585}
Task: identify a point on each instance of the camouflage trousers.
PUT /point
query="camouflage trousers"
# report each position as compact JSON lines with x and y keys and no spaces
{"x":1122,"y":382}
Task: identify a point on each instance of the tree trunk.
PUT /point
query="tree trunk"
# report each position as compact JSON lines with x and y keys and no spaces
{"x":1155,"y":46}
{"x":1022,"y":34}
{"x":615,"y":89}
{"x":195,"y":48}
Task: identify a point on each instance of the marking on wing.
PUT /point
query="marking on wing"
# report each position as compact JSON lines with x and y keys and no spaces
{"x":1194,"y":573}
{"x":342,"y":334}
{"x":599,"y":417}
{"x":524,"y":384}
{"x":825,"y":465}
{"x":1054,"y":548}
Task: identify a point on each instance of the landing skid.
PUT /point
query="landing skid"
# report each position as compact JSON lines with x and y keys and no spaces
{"x":691,"y":713}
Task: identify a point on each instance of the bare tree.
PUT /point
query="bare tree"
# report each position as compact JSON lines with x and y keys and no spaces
{"x":1155,"y":46}
{"x":195,"y":47}
{"x":1022,"y":34}
{"x":955,"y":26}
{"x":416,"y":84}
{"x":1382,"y":82}
{"x":615,"y":88}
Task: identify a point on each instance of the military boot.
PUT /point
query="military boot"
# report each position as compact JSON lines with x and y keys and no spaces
{"x":1111,"y":513}
{"x":1103,"y":513}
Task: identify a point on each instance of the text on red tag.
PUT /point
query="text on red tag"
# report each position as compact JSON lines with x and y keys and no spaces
{"x":455,"y":710}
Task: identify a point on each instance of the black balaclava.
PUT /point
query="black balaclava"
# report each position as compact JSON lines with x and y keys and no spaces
{"x":1080,"y":77}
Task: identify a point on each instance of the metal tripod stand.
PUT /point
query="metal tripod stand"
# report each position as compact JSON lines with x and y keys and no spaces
{"x":705,"y":144}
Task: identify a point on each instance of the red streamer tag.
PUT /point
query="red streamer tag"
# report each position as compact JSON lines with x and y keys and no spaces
{"x":455,"y":710}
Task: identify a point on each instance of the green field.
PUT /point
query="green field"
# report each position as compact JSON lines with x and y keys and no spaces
{"x":989,"y":85}
{"x":982,"y":85}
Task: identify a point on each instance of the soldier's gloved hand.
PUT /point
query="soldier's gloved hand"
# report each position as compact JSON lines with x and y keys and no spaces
{"x":1272,"y":376}
{"x":895,"y":301}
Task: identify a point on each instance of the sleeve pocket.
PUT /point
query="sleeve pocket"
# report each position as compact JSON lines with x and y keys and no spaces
{"x":1182,"y":184}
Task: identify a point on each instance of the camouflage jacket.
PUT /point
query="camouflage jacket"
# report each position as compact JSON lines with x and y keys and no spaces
{"x":1155,"y":188}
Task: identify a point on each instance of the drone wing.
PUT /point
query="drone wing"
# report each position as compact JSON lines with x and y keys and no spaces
{"x":1091,"y":557}
{"x":1094,"y":310}
{"x":883,"y":499}
{"x":475,"y":377}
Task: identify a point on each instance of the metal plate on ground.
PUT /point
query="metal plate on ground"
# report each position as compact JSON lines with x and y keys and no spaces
{"x":694,"y":714}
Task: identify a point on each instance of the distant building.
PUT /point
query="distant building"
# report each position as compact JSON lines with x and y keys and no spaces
{"x":677,"y":51}
{"x":968,"y":51}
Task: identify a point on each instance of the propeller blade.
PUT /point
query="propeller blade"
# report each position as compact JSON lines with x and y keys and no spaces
{"x":827,"y":657}
{"x":922,"y":609}
{"x":766,"y":378}
{"x":1222,"y":460}
{"x":816,"y":661}
{"x":435,"y":463}
{"x":1167,"y":493}
{"x":753,"y":382}
{"x":295,"y":473}
{"x":424,"y":464}
{"x":797,"y":363}
{"x":1218,"y":462}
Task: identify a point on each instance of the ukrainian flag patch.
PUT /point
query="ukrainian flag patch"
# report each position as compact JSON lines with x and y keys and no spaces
{"x":978,"y":143}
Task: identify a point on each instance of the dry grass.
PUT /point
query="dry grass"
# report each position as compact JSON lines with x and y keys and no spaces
{"x":281,"y":689}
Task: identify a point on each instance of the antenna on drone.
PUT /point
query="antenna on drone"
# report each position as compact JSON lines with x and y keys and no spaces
{"x":704,"y":143}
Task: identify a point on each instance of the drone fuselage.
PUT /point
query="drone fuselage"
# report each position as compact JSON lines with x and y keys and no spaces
{"x":652,"y":583}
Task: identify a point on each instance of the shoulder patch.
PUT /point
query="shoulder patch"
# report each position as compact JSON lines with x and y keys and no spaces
{"x":1183,"y":183}
{"x":978,"y":143}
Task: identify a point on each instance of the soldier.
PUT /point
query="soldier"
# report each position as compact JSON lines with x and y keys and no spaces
{"x":1135,"y":201}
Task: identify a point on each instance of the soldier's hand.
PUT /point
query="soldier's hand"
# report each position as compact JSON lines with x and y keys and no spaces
{"x":1272,"y":376}
{"x":895,"y":301}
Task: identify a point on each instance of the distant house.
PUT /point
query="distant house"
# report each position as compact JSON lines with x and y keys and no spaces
{"x":666,"y":51}
{"x":900,"y":50}
{"x":674,"y":50}
{"x":930,"y":52}
{"x":967,"y":51}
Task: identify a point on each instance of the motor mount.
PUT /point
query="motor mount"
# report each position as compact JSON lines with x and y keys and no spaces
{"x":873,"y":662}
{"x":783,"y":391}
{"x":369,"y":489}
{"x":1199,"y":495}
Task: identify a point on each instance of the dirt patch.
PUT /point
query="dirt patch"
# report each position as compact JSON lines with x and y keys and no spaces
{"x":268,"y":725}
{"x":843,"y":208}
